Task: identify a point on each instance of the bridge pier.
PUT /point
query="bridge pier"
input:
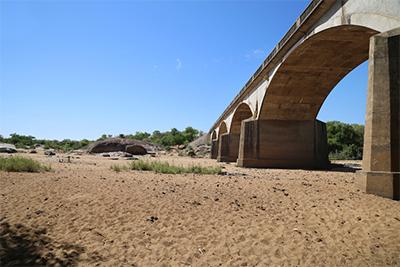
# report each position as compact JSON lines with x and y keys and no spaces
{"x":381,"y":159}
{"x":283,"y":144}
{"x":214,"y":149}
{"x":228,"y":147}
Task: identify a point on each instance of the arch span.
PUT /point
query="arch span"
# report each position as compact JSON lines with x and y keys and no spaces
{"x":310,"y":72}
{"x":230,"y":142}
{"x":222,"y":129}
{"x":214,"y":135}
{"x":242,"y":112}
{"x":295,"y":95}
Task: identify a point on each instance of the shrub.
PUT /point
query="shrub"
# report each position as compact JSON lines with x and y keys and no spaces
{"x":118,"y":168}
{"x":21,"y":164}
{"x":166,"y":139}
{"x":345,"y":141}
{"x":191,"y":152}
{"x":165,"y":167}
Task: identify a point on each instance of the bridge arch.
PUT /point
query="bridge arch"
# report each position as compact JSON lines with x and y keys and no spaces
{"x":222,"y":129}
{"x":214,"y":135}
{"x":309,"y":73}
{"x":229,"y":143}
{"x":242,"y":112}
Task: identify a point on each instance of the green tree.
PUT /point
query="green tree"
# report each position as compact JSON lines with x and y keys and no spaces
{"x":190,"y":134}
{"x":345,"y":141}
{"x":102,"y":137}
{"x":140,"y":136}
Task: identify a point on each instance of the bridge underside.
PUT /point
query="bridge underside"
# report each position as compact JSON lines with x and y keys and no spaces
{"x":286,"y":134}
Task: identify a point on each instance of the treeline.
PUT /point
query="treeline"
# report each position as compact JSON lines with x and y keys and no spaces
{"x":345,"y":141}
{"x":29,"y":142}
{"x":165,"y":139}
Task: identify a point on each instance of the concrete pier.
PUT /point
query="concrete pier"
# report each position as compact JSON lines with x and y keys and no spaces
{"x":288,"y":144}
{"x":381,"y":159}
{"x":228,"y":148}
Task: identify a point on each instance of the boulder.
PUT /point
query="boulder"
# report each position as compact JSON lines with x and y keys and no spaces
{"x":135,"y":147}
{"x":199,"y":148}
{"x":77,"y":152}
{"x":120,"y":154}
{"x":136,"y":150}
{"x":7,"y":148}
{"x":49,"y":152}
{"x":202,"y":140}
{"x":181,"y":147}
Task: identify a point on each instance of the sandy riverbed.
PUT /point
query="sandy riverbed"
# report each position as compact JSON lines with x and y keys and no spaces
{"x":84,"y":214}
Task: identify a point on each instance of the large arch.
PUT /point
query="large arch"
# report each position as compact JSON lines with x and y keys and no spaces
{"x":295,"y":95}
{"x":310,"y":72}
{"x":242,"y":112}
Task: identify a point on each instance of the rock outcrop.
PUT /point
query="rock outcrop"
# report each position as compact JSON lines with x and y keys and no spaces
{"x":7,"y":148}
{"x":134,"y":147}
{"x":198,"y":148}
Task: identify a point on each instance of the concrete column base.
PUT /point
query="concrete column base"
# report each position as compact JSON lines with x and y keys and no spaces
{"x":228,"y":147}
{"x":283,"y":144}
{"x":381,"y":159}
{"x":384,"y":184}
{"x":226,"y":159}
{"x":214,"y":149}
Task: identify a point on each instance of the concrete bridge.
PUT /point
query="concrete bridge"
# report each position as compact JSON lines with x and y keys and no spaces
{"x":272,"y":121}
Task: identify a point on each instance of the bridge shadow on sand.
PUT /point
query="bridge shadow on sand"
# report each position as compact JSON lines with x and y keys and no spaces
{"x":344,"y":167}
{"x":24,"y":246}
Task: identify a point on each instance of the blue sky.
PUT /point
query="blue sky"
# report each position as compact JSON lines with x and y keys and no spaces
{"x":78,"y":69}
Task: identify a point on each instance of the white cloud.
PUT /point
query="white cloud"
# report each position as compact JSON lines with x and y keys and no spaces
{"x":255,"y":54}
{"x":178,"y":64}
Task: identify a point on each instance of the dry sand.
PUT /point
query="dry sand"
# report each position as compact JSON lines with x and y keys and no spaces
{"x":85,"y":214}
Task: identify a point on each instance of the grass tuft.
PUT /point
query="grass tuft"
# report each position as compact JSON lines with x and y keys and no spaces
{"x":118,"y":168}
{"x":166,"y":168}
{"x":21,"y":164}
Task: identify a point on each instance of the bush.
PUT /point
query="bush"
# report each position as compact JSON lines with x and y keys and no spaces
{"x":345,"y":141}
{"x":23,"y":141}
{"x":21,"y":164}
{"x":170,"y":138}
{"x":165,"y":167}
{"x":190,"y":152}
{"x":118,"y":168}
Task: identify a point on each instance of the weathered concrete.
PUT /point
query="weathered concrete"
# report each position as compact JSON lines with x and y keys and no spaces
{"x":228,"y":147}
{"x":214,"y":149}
{"x":381,"y":159}
{"x":282,"y":143}
{"x":307,"y":76}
